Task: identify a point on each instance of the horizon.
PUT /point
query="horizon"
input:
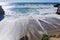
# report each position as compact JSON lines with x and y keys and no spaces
{"x":33,"y":2}
{"x":57,"y":1}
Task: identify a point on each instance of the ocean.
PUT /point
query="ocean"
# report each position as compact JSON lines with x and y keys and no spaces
{"x":28,"y":8}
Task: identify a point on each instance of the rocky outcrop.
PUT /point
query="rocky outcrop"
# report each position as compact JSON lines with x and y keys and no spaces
{"x":2,"y":13}
{"x":58,"y":8}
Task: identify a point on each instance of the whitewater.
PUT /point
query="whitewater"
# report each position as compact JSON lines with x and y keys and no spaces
{"x":31,"y":20}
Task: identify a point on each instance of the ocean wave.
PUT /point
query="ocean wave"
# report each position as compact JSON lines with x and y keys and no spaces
{"x":25,"y":9}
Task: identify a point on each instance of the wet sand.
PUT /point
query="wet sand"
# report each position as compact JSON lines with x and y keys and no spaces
{"x":54,"y":38}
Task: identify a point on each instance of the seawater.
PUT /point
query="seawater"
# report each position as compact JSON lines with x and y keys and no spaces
{"x":28,"y":8}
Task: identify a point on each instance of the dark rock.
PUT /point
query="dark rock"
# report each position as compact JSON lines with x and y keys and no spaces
{"x":56,"y":5}
{"x":58,"y":8}
{"x":58,"y":13}
{"x":2,"y":13}
{"x":24,"y":38}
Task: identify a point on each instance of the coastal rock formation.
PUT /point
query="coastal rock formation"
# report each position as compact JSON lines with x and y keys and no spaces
{"x":58,"y":8}
{"x":2,"y":13}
